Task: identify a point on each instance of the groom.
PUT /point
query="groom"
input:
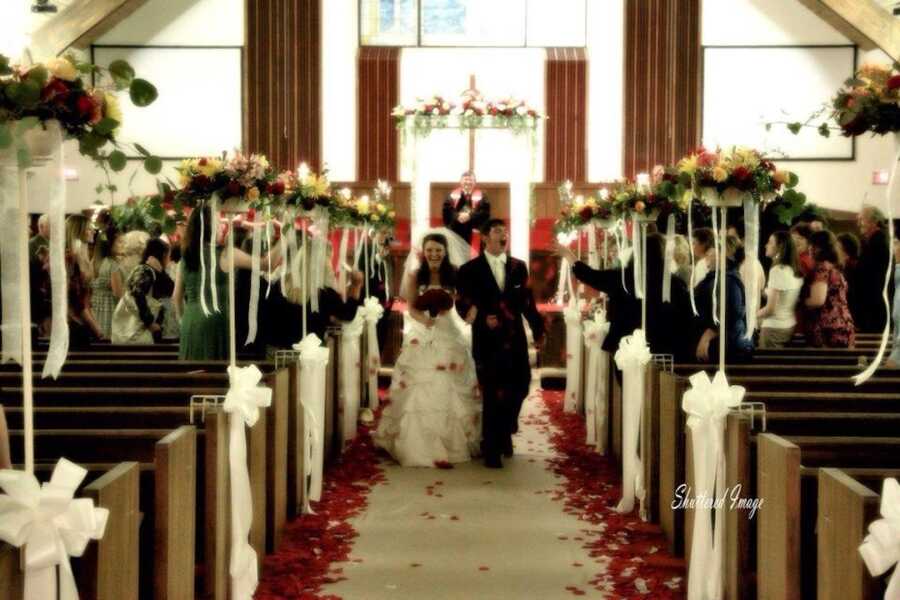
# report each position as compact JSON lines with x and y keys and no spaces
{"x":494,"y":296}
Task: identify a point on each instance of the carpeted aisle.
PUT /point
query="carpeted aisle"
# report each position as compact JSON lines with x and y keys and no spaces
{"x":539,"y":528}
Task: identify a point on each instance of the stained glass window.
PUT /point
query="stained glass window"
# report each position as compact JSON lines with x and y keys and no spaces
{"x":389,"y":22}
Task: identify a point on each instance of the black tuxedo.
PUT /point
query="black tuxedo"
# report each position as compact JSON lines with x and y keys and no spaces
{"x":501,"y":354}
{"x":479,"y":215}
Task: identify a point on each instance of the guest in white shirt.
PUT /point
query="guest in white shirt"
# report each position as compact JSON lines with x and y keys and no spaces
{"x":778,"y":317}
{"x":703,"y":241}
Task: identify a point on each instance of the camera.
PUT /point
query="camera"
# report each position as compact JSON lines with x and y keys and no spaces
{"x":43,"y":6}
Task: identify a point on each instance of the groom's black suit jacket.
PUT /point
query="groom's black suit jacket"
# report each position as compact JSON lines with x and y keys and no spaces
{"x":502,"y":352}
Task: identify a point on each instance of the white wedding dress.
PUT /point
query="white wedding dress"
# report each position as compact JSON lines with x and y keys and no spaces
{"x":434,"y":415}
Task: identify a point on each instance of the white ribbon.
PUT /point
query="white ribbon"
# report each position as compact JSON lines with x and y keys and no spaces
{"x":881,"y":548}
{"x":886,"y":333}
{"x":294,"y":264}
{"x":213,"y":238}
{"x":669,"y":258}
{"x":597,"y":384}
{"x":203,"y":304}
{"x":342,"y":256}
{"x":11,"y":233}
{"x":269,"y":250}
{"x":622,"y":249}
{"x":593,"y":254}
{"x":59,"y":284}
{"x":690,"y":228}
{"x":313,"y":360}
{"x":253,"y":309}
{"x":632,"y":358}
{"x":373,"y":311}
{"x":717,"y":275}
{"x":565,"y":269}
{"x":751,"y":224}
{"x":51,"y":525}
{"x":574,"y":345}
{"x":707,"y":404}
{"x":351,"y":332}
{"x":637,"y":236}
{"x":244,"y":399}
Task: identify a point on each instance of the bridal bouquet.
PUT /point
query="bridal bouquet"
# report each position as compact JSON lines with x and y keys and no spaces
{"x":59,"y":90}
{"x":434,"y":302}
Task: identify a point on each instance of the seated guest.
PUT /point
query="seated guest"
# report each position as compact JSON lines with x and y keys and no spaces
{"x":286,"y":309}
{"x":777,"y":318}
{"x":466,"y":208}
{"x":894,"y":359}
{"x":704,"y":241}
{"x":138,"y":316}
{"x":874,"y":257}
{"x":802,"y":233}
{"x":738,"y":347}
{"x":848,"y":262}
{"x":828,"y":320}
{"x":667,"y":322}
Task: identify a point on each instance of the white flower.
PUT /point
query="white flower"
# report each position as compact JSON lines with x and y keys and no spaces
{"x":521,"y":111}
{"x":446,"y":106}
{"x":470,"y":112}
{"x":62,"y":68}
{"x":435,"y":111}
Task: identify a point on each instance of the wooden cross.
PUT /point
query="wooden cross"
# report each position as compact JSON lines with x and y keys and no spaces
{"x":473,"y":91}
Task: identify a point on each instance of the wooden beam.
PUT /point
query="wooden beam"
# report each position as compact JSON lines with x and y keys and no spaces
{"x":80,"y":24}
{"x":865,"y":22}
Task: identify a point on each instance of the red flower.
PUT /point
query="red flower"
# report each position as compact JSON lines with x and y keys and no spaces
{"x":276,"y":189}
{"x":85,"y":106}
{"x":894,"y":82}
{"x":200,"y":182}
{"x":586,"y":213}
{"x":54,"y":88}
{"x":741,"y":174}
{"x":251,"y":215}
{"x":202,"y":162}
{"x":233,"y":188}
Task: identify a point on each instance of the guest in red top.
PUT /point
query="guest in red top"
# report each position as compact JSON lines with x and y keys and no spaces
{"x":802,"y":233}
{"x":828,"y":319}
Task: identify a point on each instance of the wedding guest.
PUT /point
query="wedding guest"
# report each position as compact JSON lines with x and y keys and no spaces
{"x":777,"y":318}
{"x":874,"y":256}
{"x":466,"y":208}
{"x":667,"y":322}
{"x":828,"y":320}
{"x":171,"y":322}
{"x":894,"y":359}
{"x":750,"y":269}
{"x":107,"y":287}
{"x":738,"y":346}
{"x":205,"y":336}
{"x":138,"y":316}
{"x":83,"y":327}
{"x":703,"y":241}
{"x":801,"y":234}
{"x":682,"y":259}
{"x":379,"y":253}
{"x":848,"y":262}
{"x":129,"y":250}
{"x":41,"y":238}
{"x":286,"y":308}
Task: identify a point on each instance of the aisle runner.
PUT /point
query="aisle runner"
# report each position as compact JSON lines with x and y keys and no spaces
{"x":540,"y":528}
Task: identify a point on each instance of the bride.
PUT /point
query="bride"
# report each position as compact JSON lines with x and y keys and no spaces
{"x":434,"y":415}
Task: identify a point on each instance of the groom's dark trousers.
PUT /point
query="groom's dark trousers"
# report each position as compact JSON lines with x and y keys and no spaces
{"x":501,"y":354}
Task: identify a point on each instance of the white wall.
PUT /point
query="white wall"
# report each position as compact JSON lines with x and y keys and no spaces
{"x":184,"y":98}
{"x":832,"y":184}
{"x":606,"y":72}
{"x":340,"y":43}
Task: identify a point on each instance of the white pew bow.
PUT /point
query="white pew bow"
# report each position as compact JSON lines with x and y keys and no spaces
{"x":350,"y":373}
{"x":313,"y":359}
{"x":373,"y":312}
{"x":51,"y":524}
{"x":244,"y":399}
{"x":572,"y":317}
{"x":707,"y":403}
{"x":632,"y":358}
{"x":881,"y":548}
{"x":596,"y":385}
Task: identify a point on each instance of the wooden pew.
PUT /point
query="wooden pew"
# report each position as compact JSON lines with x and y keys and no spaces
{"x":108,"y":570}
{"x":780,"y":527}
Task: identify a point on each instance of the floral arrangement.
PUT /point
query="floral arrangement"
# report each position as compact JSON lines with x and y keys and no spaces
{"x":364,"y":211}
{"x":471,"y":110}
{"x":742,"y":169}
{"x":868,"y":101}
{"x":661,"y":196}
{"x":144,"y":213}
{"x":578,"y":211}
{"x":306,"y":189}
{"x":248,"y":177}
{"x":57,"y":90}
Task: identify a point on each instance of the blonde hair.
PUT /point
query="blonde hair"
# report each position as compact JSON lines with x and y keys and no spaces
{"x":129,"y":248}
{"x":294,"y":291}
{"x":76,"y":228}
{"x":682,"y":254}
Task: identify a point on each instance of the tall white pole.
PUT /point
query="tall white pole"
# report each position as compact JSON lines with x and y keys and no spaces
{"x":25,"y":323}
{"x":723,"y":326}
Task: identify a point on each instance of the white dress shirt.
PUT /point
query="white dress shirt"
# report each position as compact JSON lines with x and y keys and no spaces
{"x":498,"y":267}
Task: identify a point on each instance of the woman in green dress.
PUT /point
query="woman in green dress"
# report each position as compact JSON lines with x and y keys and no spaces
{"x":205,"y":336}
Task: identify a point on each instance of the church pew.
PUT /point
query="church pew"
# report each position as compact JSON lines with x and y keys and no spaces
{"x":108,"y":570}
{"x":168,"y":495}
{"x":780,"y":463}
{"x":847,"y":503}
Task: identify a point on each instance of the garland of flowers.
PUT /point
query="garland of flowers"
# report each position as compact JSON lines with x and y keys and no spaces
{"x":30,"y":96}
{"x":471,"y":111}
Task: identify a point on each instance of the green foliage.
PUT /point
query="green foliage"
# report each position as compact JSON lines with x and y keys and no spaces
{"x":142,"y":92}
{"x":117,"y":161}
{"x":794,"y":127}
{"x":122,"y":74}
{"x":153,"y":165}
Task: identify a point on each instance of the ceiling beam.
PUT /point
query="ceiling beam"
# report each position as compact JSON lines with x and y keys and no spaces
{"x":865,"y":22}
{"x":79,"y":24}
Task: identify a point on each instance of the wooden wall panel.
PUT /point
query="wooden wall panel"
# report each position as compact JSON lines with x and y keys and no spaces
{"x":565,"y":155}
{"x":282,"y":81}
{"x":662,"y":82}
{"x":379,"y":92}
